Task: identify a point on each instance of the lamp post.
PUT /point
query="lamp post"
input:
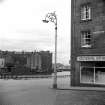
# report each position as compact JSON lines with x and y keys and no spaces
{"x":51,"y":17}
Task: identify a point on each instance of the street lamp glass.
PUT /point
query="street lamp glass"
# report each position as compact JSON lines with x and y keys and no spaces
{"x":45,"y":21}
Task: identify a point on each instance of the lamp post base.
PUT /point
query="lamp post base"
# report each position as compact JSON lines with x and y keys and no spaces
{"x":55,"y":86}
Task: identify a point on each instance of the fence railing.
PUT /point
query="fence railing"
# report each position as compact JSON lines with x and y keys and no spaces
{"x":63,"y":81}
{"x":30,"y":76}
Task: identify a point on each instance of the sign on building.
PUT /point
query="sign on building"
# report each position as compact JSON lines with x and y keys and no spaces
{"x":91,"y":58}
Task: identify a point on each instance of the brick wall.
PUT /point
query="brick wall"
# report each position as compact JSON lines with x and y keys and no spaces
{"x":96,"y":24}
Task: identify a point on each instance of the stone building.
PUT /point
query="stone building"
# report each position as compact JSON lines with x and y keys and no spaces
{"x":46,"y":61}
{"x":34,"y":61}
{"x":88,"y":42}
{"x":26,"y":62}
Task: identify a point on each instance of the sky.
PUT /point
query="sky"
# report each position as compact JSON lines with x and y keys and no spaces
{"x":22,"y":29}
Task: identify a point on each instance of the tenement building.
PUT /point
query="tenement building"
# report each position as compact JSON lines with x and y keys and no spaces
{"x":88,"y":42}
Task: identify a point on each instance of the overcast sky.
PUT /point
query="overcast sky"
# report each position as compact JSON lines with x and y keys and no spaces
{"x":21,"y":26}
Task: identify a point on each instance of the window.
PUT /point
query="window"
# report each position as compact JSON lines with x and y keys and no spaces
{"x":85,"y":39}
{"x":85,"y":12}
{"x":92,"y":73}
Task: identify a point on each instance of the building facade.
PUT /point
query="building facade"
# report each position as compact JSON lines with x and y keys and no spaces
{"x":25,"y":62}
{"x":34,"y":61}
{"x":88,"y":42}
{"x":46,"y":61}
{"x":40,"y":61}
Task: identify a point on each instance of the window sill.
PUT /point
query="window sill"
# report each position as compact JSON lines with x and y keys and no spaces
{"x":87,"y":20}
{"x":86,"y":46}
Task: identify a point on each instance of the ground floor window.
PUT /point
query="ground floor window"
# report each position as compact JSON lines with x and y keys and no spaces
{"x":92,"y":72}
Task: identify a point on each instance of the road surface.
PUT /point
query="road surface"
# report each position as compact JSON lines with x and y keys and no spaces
{"x":27,"y":92}
{"x":36,"y":91}
{"x":39,"y":92}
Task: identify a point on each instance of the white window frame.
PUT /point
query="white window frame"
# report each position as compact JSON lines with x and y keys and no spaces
{"x":84,"y":38}
{"x":85,"y":12}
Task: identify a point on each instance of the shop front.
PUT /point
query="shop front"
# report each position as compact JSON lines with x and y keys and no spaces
{"x":92,"y":70}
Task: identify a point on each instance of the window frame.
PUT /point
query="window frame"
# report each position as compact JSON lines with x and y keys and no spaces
{"x":94,"y":79}
{"x":85,"y":12}
{"x":86,"y":39}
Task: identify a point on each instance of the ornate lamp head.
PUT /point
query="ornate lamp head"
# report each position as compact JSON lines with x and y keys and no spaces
{"x":50,"y":17}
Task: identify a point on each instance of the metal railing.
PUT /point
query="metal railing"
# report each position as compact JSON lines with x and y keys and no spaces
{"x":63,"y":81}
{"x":6,"y":76}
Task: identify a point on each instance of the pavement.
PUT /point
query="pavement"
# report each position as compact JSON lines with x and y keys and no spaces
{"x":72,"y":97}
{"x":82,"y":88}
{"x":69,"y":95}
